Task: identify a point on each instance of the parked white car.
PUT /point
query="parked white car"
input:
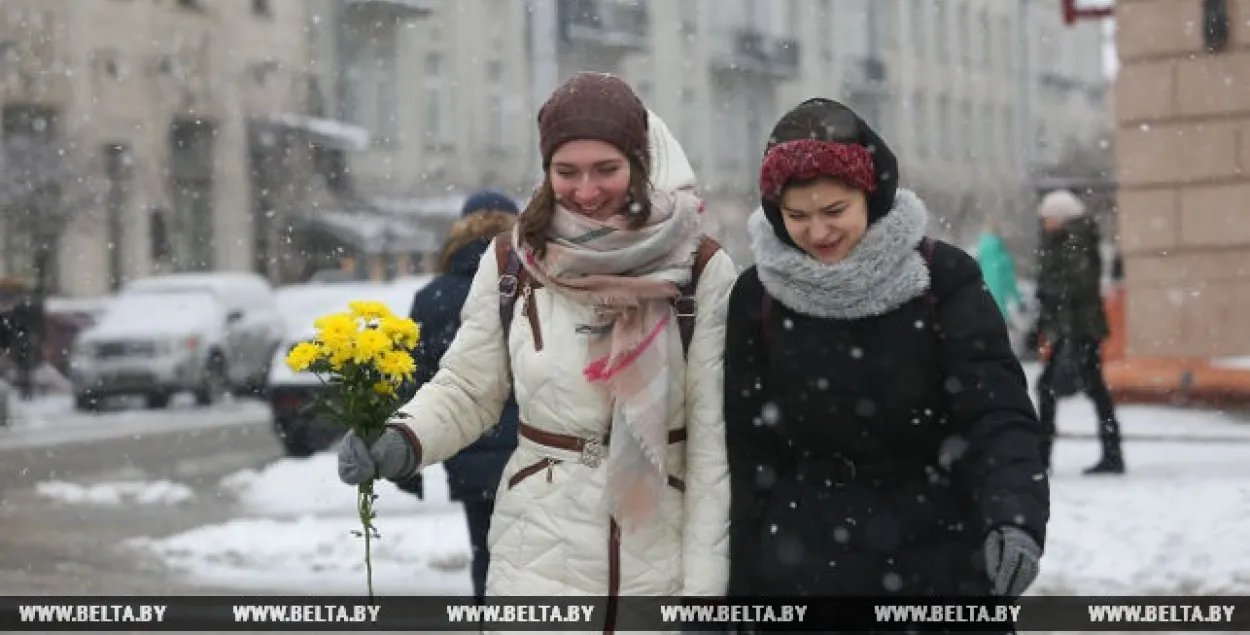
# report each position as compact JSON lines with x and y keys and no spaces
{"x":153,"y":345}
{"x":254,"y":325}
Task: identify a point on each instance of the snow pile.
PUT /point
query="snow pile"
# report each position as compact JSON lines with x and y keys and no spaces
{"x":299,"y":533}
{"x":417,"y":554}
{"x":311,"y":486}
{"x":116,"y":493}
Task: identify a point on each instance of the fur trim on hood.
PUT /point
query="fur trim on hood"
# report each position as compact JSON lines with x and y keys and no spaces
{"x":478,"y":226}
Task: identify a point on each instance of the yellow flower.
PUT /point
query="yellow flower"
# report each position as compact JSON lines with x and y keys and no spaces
{"x":371,"y":344}
{"x":384,"y":388}
{"x":336,"y":329}
{"x":303,"y":356}
{"x":396,"y":365}
{"x":402,"y":331}
{"x":368,"y":310}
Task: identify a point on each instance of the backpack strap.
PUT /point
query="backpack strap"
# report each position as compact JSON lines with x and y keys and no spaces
{"x":685,"y":305}
{"x":511,"y":276}
{"x":766,"y":318}
{"x":930,"y":296}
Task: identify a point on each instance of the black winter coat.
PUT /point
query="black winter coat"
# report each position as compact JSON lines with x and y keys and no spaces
{"x":474,"y":473}
{"x":872,"y":456}
{"x":1069,"y":283}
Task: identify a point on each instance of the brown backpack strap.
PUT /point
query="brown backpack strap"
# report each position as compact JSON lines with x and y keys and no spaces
{"x":685,"y":304}
{"x":930,"y":297}
{"x":766,"y":319}
{"x":511,"y":275}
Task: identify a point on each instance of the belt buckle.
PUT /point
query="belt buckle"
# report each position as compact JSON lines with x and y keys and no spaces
{"x":592,"y":453}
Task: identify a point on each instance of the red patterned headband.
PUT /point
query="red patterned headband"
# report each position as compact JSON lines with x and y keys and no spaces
{"x":812,"y":158}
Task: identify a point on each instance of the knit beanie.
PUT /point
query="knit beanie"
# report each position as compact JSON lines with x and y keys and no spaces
{"x":594,"y":106}
{"x":1061,"y":204}
{"x":488,"y":200}
{"x":822,"y":137}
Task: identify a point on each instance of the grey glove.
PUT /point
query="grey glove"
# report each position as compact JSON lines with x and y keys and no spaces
{"x":1011,"y":560}
{"x":390,"y":457}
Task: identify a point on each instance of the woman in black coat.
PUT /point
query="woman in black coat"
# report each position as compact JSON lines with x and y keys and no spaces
{"x":880,"y":434}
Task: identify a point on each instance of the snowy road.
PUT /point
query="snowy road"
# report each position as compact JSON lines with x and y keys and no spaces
{"x":49,"y":546}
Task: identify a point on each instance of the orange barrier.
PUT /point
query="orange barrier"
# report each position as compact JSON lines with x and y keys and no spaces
{"x":1164,"y":380}
{"x":1177,"y":381}
{"x":1113,"y":304}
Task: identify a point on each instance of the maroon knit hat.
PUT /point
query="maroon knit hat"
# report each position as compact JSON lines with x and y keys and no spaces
{"x":594,"y":106}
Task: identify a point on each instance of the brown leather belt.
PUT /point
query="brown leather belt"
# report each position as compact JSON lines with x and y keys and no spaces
{"x":593,"y":451}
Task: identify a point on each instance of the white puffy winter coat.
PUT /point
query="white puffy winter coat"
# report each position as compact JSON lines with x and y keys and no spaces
{"x":551,"y":534}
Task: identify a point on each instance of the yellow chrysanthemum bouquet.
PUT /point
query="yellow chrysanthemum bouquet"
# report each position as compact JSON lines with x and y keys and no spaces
{"x":361,"y":356}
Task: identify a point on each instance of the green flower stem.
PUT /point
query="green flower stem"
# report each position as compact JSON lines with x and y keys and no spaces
{"x":364,"y":505}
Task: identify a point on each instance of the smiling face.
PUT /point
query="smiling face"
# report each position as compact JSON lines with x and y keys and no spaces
{"x":825,"y":218}
{"x":590,"y":177}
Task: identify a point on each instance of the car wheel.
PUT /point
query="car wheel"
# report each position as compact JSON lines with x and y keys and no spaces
{"x":86,"y":402}
{"x":159,"y":399}
{"x":213,"y":384}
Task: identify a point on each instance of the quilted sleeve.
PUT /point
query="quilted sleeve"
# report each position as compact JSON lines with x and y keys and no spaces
{"x":705,"y":552}
{"x":467,"y":394}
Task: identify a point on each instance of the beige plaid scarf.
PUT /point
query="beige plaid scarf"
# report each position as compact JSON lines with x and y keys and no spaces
{"x":630,"y":277}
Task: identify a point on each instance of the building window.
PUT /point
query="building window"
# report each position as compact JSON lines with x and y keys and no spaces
{"x":387,"y":82}
{"x":689,"y":17}
{"x":194,"y":5}
{"x":919,"y":20}
{"x":690,"y":116}
{"x":437,"y":124}
{"x":985,"y":38}
{"x":262,"y":8}
{"x":1009,"y":131}
{"x":1007,"y":38}
{"x":941,"y":31}
{"x":964,"y":36}
{"x":920,"y":125}
{"x":117,"y":169}
{"x":370,"y":85}
{"x":497,"y":127}
{"x":969,"y":145}
{"x":989,"y":147}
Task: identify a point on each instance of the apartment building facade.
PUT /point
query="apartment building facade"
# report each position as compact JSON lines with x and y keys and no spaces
{"x":411,"y":104}
{"x":181,"y":129}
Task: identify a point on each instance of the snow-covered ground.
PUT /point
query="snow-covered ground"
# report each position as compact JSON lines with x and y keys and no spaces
{"x":1176,"y":523}
{"x":116,"y":493}
{"x":296,"y":533}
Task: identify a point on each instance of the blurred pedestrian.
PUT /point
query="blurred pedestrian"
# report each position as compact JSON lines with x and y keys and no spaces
{"x":474,"y":473}
{"x":1073,"y":321}
{"x":999,"y":270}
{"x":880,"y":434}
{"x":617,"y":486}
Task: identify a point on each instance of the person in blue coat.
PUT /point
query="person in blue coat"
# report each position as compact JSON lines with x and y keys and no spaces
{"x":473,"y":475}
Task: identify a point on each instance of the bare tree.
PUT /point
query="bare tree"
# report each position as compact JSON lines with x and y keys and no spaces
{"x":43,"y":187}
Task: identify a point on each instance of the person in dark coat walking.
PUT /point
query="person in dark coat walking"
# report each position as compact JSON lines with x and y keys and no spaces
{"x":1073,"y":321}
{"x":473,"y":475}
{"x":880,"y":435}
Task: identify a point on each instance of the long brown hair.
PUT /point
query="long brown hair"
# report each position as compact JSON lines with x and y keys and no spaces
{"x":535,"y":219}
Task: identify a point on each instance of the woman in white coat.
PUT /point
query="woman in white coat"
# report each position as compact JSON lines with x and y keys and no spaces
{"x":619,"y":484}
